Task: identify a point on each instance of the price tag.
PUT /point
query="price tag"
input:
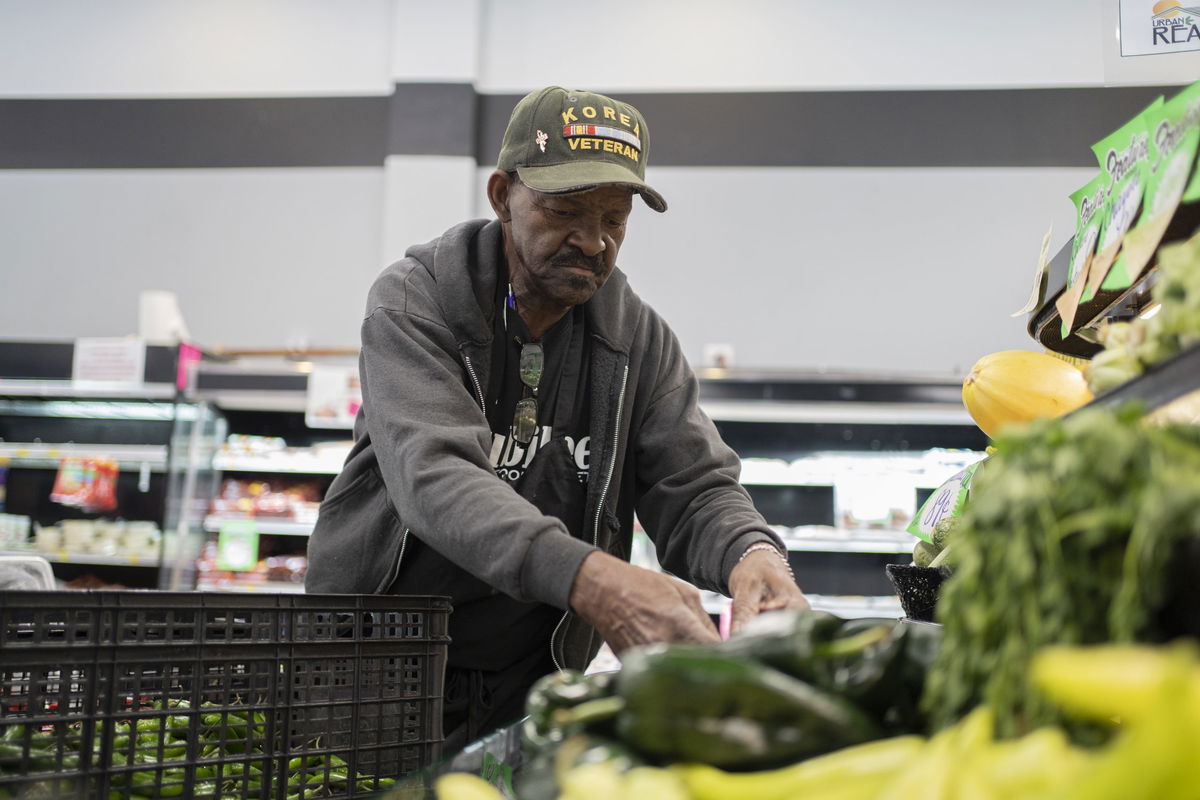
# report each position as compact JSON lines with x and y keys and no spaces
{"x":237,"y":546}
{"x":334,"y":396}
{"x":109,"y":360}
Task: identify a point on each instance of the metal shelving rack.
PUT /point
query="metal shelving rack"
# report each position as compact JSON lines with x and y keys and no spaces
{"x":149,"y":428}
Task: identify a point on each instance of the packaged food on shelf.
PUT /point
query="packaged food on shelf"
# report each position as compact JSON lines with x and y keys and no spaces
{"x":14,"y":531}
{"x":244,"y":498}
{"x":86,"y":483}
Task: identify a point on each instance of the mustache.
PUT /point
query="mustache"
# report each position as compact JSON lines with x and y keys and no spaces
{"x":574,"y":257}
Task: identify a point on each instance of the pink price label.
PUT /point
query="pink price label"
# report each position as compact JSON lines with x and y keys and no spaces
{"x":189,"y":355}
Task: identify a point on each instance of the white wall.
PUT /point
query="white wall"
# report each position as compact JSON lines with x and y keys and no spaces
{"x":791,"y":44}
{"x":899,"y":270}
{"x":259,"y":257}
{"x":214,"y":48}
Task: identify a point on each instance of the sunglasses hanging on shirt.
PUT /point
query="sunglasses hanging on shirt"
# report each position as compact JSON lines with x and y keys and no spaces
{"x":524,"y":424}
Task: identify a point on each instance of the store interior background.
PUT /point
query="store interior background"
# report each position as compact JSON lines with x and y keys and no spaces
{"x":264,"y":159}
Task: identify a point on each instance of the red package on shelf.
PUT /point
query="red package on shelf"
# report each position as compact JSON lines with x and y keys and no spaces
{"x":102,"y":488}
{"x":87,"y":483}
{"x":69,"y":482}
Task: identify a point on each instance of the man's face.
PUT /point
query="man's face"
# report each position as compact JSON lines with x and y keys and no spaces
{"x":563,"y":247}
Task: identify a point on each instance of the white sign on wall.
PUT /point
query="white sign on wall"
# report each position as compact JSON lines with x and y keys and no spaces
{"x":109,"y":360}
{"x":1157,"y":27}
{"x":334,"y":396}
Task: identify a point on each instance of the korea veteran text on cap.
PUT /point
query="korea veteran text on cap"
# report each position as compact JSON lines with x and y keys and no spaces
{"x":562,"y":141}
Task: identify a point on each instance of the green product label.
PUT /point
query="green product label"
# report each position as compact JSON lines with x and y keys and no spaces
{"x":1124,"y":155}
{"x":1185,"y":119}
{"x":1174,"y":133}
{"x":948,"y":501}
{"x":498,"y":774}
{"x":1089,"y":201}
{"x":237,"y":546}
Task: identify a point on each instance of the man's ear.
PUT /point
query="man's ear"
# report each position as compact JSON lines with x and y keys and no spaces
{"x":499,"y":187}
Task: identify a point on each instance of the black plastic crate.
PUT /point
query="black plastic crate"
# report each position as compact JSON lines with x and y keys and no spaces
{"x":155,"y":694}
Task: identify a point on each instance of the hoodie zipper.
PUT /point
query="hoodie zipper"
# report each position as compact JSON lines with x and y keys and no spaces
{"x":612,"y":462}
{"x":475,"y":382}
{"x":395,"y":570}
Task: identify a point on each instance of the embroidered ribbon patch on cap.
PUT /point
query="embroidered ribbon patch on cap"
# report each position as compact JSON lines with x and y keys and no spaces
{"x":602,"y":132}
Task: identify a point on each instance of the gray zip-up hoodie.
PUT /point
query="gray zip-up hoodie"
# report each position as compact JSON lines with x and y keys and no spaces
{"x":420,"y":464}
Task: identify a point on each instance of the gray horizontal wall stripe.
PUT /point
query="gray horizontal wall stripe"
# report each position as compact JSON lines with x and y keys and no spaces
{"x":977,"y":128}
{"x":251,"y":132}
{"x":989,"y":128}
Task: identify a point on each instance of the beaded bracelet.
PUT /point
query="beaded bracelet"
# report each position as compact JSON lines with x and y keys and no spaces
{"x":763,"y":547}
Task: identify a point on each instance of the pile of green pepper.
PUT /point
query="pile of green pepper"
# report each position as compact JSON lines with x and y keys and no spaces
{"x":790,"y":686}
{"x":172,"y":750}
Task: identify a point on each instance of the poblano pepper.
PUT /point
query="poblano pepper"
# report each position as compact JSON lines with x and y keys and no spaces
{"x":555,"y":692}
{"x":687,"y":703}
{"x":879,"y":664}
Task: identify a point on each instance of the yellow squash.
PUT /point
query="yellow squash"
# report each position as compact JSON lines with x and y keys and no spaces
{"x":1016,"y":386}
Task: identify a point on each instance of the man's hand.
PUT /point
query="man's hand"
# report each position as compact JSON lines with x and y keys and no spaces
{"x":762,"y":582}
{"x":629,"y":605}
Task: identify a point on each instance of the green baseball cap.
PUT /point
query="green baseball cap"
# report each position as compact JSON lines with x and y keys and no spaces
{"x":561,"y":141}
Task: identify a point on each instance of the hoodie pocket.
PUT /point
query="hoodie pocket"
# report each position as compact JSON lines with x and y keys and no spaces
{"x":356,"y":540}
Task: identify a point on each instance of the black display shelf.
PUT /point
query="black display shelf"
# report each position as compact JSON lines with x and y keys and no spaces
{"x":1045,"y":324}
{"x":21,"y":360}
{"x":823,"y":387}
{"x":1159,"y":385}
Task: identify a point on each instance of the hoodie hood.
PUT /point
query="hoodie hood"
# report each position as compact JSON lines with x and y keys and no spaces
{"x":467,"y":261}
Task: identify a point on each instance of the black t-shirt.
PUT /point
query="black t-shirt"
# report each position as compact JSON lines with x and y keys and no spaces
{"x":496,"y":631}
{"x":564,"y":378}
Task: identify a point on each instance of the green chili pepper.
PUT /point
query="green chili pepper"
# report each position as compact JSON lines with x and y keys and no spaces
{"x":788,"y":641}
{"x":560,"y":690}
{"x":690,"y":703}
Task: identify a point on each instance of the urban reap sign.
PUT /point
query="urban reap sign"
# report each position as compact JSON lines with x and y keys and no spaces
{"x":1155,"y":27}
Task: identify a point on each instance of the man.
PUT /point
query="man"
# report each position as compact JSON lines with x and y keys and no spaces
{"x":520,"y":403}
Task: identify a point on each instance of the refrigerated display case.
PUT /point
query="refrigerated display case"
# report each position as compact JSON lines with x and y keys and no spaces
{"x":57,"y":432}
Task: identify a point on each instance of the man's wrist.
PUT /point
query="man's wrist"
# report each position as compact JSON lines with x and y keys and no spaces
{"x":767,"y":547}
{"x":590,"y":586}
{"x":737,"y":546}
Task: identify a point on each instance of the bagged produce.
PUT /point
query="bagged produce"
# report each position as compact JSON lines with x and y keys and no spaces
{"x":1089,"y":200}
{"x":1124,"y":156}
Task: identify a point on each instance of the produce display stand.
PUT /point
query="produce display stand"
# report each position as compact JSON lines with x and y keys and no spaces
{"x":157,"y":694}
{"x":1173,"y":381}
{"x":1045,"y":323}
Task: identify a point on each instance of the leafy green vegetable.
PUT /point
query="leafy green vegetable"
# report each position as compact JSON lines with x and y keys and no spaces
{"x":1067,"y":540}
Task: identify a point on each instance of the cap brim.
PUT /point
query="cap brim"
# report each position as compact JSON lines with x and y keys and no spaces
{"x":581,"y":176}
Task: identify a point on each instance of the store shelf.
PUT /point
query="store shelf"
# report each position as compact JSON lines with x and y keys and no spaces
{"x":281,"y":527}
{"x":63,"y":557}
{"x":129,"y":457}
{"x":845,"y":606}
{"x":858,"y":413}
{"x":853,"y":606}
{"x":851,"y":541}
{"x":921,"y":470}
{"x":263,"y":587}
{"x":1045,"y":323}
{"x":1162,"y":384}
{"x":18,"y":387}
{"x":302,"y":463}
